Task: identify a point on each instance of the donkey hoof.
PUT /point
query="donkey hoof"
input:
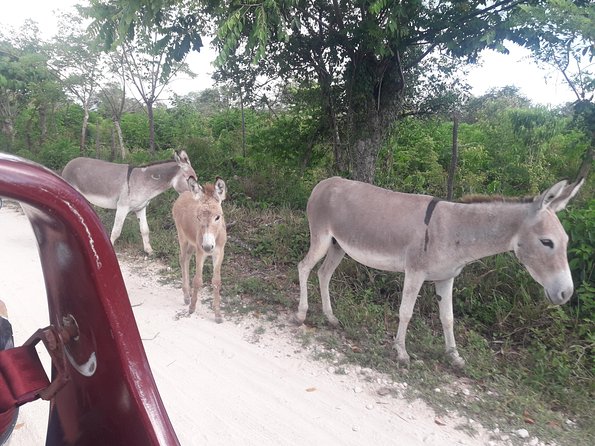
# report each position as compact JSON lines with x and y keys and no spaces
{"x":457,"y":362}
{"x":191,"y":309}
{"x":219,"y":319}
{"x":404,"y":362}
{"x":297,"y":319}
{"x":333,"y":321}
{"x":403,"y":358}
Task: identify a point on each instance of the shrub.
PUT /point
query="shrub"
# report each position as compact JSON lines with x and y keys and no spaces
{"x":56,"y":154}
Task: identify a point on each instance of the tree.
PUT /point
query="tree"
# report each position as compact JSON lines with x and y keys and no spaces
{"x":369,"y":58}
{"x":12,"y":89}
{"x":155,"y":35}
{"x":113,"y":96}
{"x":26,"y":84}
{"x":113,"y":101}
{"x":561,"y":34}
{"x":149,"y":72}
{"x":77,"y":62}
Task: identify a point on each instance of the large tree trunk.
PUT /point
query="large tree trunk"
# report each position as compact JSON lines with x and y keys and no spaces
{"x":373,"y":104}
{"x":364,"y":154}
{"x":367,"y":139}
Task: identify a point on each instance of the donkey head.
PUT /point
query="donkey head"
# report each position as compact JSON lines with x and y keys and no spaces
{"x":180,"y":180}
{"x":209,"y":213}
{"x":541,"y":242}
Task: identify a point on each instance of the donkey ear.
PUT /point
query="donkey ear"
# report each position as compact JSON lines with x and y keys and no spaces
{"x":182,"y":158}
{"x":557,"y":197}
{"x":567,"y":194}
{"x":220,"y":189}
{"x":195,"y":188}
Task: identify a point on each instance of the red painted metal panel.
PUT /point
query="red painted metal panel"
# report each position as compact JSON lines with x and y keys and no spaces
{"x":111,"y":397}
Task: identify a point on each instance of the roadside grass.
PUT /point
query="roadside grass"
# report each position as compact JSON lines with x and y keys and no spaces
{"x":521,"y":370}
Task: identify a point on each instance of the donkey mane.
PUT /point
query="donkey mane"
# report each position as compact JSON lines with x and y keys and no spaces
{"x":471,"y":199}
{"x":209,"y":188}
{"x":152,"y":163}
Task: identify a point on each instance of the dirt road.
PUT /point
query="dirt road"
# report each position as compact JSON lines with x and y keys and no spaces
{"x":244,"y":382}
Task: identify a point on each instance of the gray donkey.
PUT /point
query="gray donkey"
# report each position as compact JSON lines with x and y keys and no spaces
{"x":432,"y":240}
{"x":126,"y":188}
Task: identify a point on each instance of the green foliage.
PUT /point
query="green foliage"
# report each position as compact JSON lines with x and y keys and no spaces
{"x":411,"y":158}
{"x":580,"y":226}
{"x":282,"y":244}
{"x":135,"y":127}
{"x":56,"y":154}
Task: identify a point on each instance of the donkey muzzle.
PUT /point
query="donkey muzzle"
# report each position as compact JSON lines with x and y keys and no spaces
{"x":208,"y":243}
{"x":560,"y":296}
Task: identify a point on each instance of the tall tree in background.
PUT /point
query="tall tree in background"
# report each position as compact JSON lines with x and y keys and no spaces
{"x":113,"y":95}
{"x":561,"y":34}
{"x":13,"y":87}
{"x":367,"y":57}
{"x":26,"y":84}
{"x":77,"y":62}
{"x":155,"y":35}
{"x":148,"y":69}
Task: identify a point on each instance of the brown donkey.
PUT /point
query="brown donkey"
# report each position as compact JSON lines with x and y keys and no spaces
{"x":198,"y":216}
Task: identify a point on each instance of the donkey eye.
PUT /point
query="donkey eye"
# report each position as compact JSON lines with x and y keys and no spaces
{"x":217,"y":217}
{"x":547,"y":242}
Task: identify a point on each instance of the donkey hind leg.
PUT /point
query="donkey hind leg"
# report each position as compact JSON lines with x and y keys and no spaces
{"x":444,"y":292}
{"x":121,"y":213}
{"x":411,"y":287}
{"x":216,"y":283}
{"x":333,"y":257}
{"x":318,"y":248}
{"x":144,"y":229}
{"x":186,"y":251}
{"x":197,"y":281}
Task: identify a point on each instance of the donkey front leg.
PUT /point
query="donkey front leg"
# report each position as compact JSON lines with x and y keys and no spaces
{"x":444,"y":292}
{"x":197,"y":281}
{"x":144,"y":229}
{"x":186,"y":251}
{"x":411,"y":287}
{"x":216,"y":283}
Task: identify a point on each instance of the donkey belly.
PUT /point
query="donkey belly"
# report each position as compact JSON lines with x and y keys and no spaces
{"x":383,"y":260}
{"x":101,"y":200}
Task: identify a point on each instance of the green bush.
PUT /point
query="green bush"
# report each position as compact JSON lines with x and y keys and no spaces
{"x":580,"y":226}
{"x":56,"y":154}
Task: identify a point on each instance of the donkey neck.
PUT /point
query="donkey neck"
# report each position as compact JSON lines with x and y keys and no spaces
{"x":482,"y":229}
{"x":153,"y":179}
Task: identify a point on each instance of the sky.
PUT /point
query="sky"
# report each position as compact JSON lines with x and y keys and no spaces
{"x":496,"y":70}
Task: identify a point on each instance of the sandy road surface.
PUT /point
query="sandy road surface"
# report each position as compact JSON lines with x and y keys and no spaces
{"x":243,"y":382}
